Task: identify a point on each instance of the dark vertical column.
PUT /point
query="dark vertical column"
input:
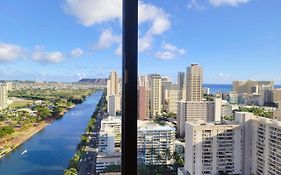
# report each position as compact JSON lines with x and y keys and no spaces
{"x":129,"y":87}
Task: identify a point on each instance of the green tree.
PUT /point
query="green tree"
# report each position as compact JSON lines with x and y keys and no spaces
{"x":6,"y":131}
{"x":71,"y":171}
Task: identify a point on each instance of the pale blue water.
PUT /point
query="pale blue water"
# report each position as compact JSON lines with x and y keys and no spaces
{"x":214,"y":88}
{"x":49,"y":151}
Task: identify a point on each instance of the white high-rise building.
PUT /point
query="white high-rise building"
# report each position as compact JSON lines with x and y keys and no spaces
{"x":143,"y":81}
{"x":172,"y":99}
{"x":194,"y":108}
{"x":218,"y":108}
{"x":249,"y":145}
{"x":155,"y":95}
{"x":262,"y":141}
{"x":194,"y":111}
{"x":113,"y":94}
{"x":113,"y":85}
{"x":3,"y":96}
{"x":211,"y":148}
{"x":112,"y":124}
{"x":114,"y":104}
{"x":194,"y":78}
{"x":155,"y":143}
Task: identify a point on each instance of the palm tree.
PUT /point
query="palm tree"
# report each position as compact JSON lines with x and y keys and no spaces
{"x":168,"y":154}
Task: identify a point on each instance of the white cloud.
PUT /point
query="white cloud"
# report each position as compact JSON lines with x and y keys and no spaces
{"x":76,"y":52}
{"x":158,"y":21}
{"x":194,"y":4}
{"x":144,"y":43}
{"x":218,"y":3}
{"x":42,"y":56}
{"x":172,"y":48}
{"x":165,"y":55}
{"x":118,"y":51}
{"x":158,"y":18}
{"x":202,"y":4}
{"x":224,"y":76}
{"x":10,"y":52}
{"x":89,"y":12}
{"x":107,"y":38}
{"x":169,"y":51}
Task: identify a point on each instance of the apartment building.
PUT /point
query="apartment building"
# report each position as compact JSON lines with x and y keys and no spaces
{"x":172,"y":99}
{"x":3,"y":96}
{"x":249,"y":145}
{"x":143,"y":103}
{"x":166,"y":86}
{"x":106,"y":159}
{"x":113,"y":86}
{"x":106,"y":142}
{"x":251,"y":86}
{"x":114,"y":104}
{"x":212,"y":148}
{"x":112,"y":124}
{"x":155,"y":94}
{"x":206,"y":111}
{"x":194,"y":79}
{"x":226,"y":109}
{"x":155,"y":143}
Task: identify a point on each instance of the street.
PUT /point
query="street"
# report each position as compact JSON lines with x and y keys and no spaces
{"x":87,"y":164}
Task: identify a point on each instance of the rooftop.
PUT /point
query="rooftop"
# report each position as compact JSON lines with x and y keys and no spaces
{"x":149,"y":125}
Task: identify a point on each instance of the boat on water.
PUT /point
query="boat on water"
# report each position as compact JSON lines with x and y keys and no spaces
{"x":25,"y":151}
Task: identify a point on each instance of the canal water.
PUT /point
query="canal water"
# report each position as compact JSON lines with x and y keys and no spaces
{"x":49,"y":151}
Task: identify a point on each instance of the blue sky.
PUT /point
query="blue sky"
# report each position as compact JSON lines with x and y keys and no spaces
{"x":65,"y":40}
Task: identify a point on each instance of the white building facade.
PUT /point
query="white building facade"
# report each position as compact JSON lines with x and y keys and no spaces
{"x":155,"y":143}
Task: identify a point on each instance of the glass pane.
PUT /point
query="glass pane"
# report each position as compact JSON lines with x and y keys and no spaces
{"x":60,"y":86}
{"x":209,"y":87}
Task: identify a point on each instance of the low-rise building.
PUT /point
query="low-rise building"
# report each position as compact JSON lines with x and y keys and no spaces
{"x":179,"y":147}
{"x":106,"y":159}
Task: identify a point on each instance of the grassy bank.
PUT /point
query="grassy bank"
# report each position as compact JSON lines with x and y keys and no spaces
{"x":21,"y":121}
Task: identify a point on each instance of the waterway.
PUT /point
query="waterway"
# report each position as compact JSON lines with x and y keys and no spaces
{"x":49,"y":151}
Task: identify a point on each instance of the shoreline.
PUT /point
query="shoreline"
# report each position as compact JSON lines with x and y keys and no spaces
{"x":22,"y":136}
